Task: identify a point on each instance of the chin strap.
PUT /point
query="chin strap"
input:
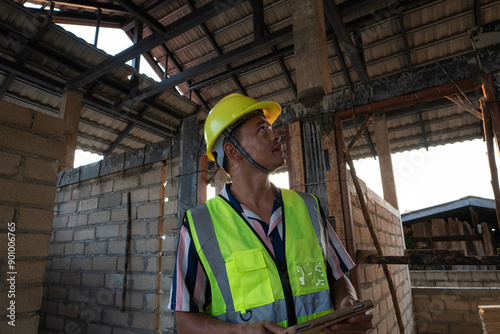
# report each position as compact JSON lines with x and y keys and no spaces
{"x":245,"y":154}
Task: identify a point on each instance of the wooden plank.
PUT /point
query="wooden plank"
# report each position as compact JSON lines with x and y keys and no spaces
{"x":488,"y":134}
{"x":487,"y":239}
{"x":439,"y":228}
{"x":427,"y":257}
{"x":456,"y":243}
{"x":451,"y":238}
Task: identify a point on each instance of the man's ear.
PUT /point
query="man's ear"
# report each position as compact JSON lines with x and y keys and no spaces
{"x":231,"y":151}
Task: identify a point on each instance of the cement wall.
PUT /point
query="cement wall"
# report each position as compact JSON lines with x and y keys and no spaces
{"x":373,"y":283}
{"x":447,"y":301}
{"x":84,"y":278}
{"x":29,"y":153}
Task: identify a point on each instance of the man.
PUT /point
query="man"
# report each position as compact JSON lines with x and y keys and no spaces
{"x":257,"y":259}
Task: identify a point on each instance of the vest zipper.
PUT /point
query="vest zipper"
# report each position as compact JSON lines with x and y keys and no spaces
{"x":282,"y":270}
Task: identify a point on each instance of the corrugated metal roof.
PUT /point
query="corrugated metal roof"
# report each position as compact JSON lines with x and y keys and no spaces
{"x":433,"y":30}
{"x":69,"y":57}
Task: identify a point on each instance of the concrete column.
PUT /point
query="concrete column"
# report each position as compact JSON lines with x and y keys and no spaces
{"x":311,"y":55}
{"x":188,"y":166}
{"x":385,"y":161}
{"x":71,"y":107}
{"x":295,"y":159}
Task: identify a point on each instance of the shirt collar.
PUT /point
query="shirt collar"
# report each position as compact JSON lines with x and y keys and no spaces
{"x":226,"y":193}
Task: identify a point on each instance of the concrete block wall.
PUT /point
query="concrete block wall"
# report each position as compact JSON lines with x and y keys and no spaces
{"x":373,"y":283}
{"x":29,"y":151}
{"x":452,"y":310}
{"x":455,"y":278}
{"x":447,"y":301}
{"x":84,"y":275}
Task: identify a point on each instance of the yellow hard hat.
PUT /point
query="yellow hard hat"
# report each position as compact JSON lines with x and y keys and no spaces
{"x":227,"y":112}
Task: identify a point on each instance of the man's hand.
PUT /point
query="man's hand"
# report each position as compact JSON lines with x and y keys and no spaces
{"x":197,"y":322}
{"x":357,"y":324}
{"x":262,"y":327}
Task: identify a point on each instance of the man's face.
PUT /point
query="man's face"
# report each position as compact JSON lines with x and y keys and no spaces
{"x":261,"y":142}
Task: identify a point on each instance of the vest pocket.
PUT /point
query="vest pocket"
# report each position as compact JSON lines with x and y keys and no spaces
{"x":249,"y":280}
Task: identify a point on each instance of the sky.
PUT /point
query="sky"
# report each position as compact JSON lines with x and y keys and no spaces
{"x":423,"y":178}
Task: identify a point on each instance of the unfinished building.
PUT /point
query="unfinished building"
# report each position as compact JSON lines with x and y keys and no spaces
{"x":355,"y":79}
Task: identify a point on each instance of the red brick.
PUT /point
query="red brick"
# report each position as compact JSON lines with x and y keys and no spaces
{"x":41,"y":170}
{"x":14,"y":114}
{"x":23,"y":325}
{"x":27,"y":244}
{"x":29,"y":272}
{"x":35,"y":219}
{"x":29,"y":142}
{"x":9,"y":163}
{"x":24,"y":192}
{"x":27,"y":300}
{"x":6,"y":215}
{"x":48,"y":124}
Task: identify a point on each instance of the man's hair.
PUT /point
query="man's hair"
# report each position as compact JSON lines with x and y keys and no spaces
{"x":237,"y":136}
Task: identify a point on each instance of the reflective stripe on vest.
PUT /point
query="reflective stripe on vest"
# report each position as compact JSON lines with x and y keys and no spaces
{"x":244,"y":279}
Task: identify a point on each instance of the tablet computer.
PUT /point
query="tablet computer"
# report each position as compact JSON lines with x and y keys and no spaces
{"x":315,"y":326}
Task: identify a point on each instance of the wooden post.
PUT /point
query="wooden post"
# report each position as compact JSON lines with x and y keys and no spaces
{"x":384,"y":155}
{"x":488,"y":133}
{"x":310,"y":49}
{"x":71,"y":106}
{"x":296,"y":158}
{"x":489,"y":93}
{"x":371,"y":228}
{"x":348,"y":226}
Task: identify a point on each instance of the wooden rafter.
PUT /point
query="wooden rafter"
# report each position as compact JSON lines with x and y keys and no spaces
{"x":185,"y":23}
{"x":337,"y":22}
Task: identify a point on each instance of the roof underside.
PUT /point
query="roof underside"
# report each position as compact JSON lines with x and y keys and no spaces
{"x":213,"y":48}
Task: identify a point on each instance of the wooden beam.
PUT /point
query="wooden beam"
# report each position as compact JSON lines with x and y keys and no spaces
{"x":338,"y":52}
{"x":422,"y":127}
{"x":178,"y":27}
{"x":337,"y":22}
{"x":348,"y":223}
{"x":370,"y":143}
{"x":488,"y":132}
{"x":142,"y":15}
{"x":258,"y":19}
{"x":378,"y":247}
{"x":410,"y":99}
{"x":427,"y":257}
{"x":448,"y":238}
{"x":385,"y":160}
{"x":402,"y":27}
{"x":276,"y":37}
{"x":468,"y":107}
{"x":71,"y":107}
{"x":85,"y":4}
{"x":490,"y":94}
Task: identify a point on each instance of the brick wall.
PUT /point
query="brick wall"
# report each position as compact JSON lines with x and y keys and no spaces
{"x":84,"y":275}
{"x":447,"y":301}
{"x":373,"y":283}
{"x":29,"y":150}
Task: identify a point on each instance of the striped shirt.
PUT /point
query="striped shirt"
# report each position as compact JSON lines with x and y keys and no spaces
{"x":190,"y":290}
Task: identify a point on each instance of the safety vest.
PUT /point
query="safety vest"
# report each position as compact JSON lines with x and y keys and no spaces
{"x":247,"y":283}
